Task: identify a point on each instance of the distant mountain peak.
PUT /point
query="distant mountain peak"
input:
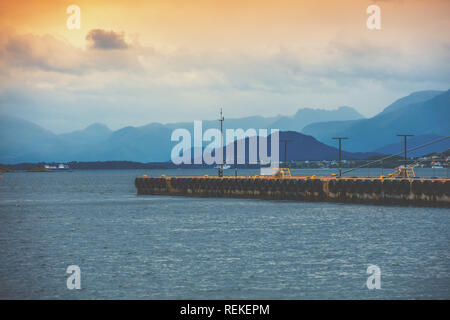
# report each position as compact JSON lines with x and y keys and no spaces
{"x":346,"y":108}
{"x":412,"y":98}
{"x":425,"y":92}
{"x":337,"y":111}
{"x":94,"y":133}
{"x":97,"y":126}
{"x":306,"y":116}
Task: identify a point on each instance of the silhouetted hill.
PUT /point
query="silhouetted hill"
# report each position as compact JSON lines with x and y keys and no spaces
{"x":304,"y":147}
{"x":301,"y":147}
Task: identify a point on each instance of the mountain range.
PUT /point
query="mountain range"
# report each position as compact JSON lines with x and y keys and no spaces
{"x":23,"y":141}
{"x":420,"y":113}
{"x":296,"y":122}
{"x":424,"y":114}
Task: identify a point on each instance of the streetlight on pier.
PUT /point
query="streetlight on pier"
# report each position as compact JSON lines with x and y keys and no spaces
{"x":221,"y":120}
{"x":404,"y":138}
{"x":286,"y":141}
{"x":340,"y":144}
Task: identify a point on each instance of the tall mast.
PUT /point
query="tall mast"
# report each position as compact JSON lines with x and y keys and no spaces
{"x":221,"y":119}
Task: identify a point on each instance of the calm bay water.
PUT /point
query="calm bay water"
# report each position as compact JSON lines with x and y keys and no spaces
{"x":154,"y":247}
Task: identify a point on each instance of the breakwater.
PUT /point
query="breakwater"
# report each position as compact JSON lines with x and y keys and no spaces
{"x":433,"y":192}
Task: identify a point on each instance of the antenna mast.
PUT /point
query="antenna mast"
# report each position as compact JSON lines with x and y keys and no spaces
{"x":221,"y":119}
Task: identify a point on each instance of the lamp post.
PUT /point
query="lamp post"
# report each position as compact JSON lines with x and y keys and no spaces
{"x":285,"y":150}
{"x":404,"y":138}
{"x":220,"y":169}
{"x":340,"y":144}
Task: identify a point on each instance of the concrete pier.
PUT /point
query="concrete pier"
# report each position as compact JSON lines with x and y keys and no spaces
{"x":432,"y":192}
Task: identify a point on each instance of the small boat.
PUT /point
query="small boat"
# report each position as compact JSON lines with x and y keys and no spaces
{"x":224,"y":167}
{"x":437,"y":167}
{"x":60,"y":167}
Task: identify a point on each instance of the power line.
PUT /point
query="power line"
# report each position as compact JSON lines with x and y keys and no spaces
{"x":397,"y":154}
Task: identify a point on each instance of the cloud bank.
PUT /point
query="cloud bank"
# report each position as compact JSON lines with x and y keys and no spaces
{"x":120,"y":82}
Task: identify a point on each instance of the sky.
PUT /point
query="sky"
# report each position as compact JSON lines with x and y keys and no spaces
{"x":135,"y":62}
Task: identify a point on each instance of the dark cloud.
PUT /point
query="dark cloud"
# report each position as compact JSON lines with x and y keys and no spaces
{"x":47,"y":53}
{"x":106,"y":40}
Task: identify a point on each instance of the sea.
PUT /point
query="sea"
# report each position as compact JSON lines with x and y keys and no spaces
{"x":128,"y":246}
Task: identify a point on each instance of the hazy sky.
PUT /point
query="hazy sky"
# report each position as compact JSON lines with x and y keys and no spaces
{"x":134,"y":62}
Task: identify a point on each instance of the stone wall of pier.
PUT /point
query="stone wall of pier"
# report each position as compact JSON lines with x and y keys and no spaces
{"x":394,"y":191}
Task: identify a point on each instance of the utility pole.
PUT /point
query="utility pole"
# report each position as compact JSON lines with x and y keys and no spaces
{"x":221,"y":119}
{"x":285,"y":150}
{"x":340,"y":145}
{"x":235,"y":158}
{"x":404,"y":137}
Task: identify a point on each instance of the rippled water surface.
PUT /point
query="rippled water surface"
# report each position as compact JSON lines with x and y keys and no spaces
{"x":154,"y":247}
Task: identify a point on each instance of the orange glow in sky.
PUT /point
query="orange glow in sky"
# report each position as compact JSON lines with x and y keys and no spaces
{"x":257,"y":57}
